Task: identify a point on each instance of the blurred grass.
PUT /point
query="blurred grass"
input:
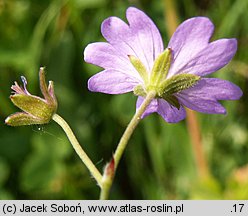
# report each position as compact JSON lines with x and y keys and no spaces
{"x":39,"y":163}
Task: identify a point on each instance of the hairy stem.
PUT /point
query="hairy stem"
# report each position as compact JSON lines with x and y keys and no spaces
{"x":107,"y":182}
{"x":81,"y":153}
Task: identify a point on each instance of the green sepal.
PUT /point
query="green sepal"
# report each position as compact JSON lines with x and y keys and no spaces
{"x":171,"y":99}
{"x":140,"y":67}
{"x":35,"y":106}
{"x":139,"y":91}
{"x":177,"y":83}
{"x":43,"y":85}
{"x":161,"y":67}
{"x":48,"y":92}
{"x":22,"y":119}
{"x":51,"y":92}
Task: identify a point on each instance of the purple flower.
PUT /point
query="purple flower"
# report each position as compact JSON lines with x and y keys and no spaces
{"x":134,"y":59}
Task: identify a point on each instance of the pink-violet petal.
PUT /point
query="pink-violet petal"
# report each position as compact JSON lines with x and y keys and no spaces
{"x":147,"y":34}
{"x":106,"y":56}
{"x":112,"y":82}
{"x":204,"y":96}
{"x":133,"y":39}
{"x":152,"y":107}
{"x":190,"y":38}
{"x":215,"y":56}
{"x":170,"y":113}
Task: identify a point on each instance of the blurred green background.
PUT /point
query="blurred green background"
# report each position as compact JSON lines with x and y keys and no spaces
{"x":37,"y":162}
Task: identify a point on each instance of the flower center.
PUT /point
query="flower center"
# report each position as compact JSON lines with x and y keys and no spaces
{"x":157,"y":80}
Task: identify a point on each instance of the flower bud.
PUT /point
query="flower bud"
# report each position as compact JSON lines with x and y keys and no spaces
{"x":36,"y":110}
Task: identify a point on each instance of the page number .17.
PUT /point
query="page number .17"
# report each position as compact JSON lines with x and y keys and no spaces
{"x":237,"y":207}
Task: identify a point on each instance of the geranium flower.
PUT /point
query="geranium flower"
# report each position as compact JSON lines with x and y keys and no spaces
{"x":134,"y":59}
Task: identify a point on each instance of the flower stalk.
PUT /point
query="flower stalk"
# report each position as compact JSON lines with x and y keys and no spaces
{"x":81,"y":153}
{"x":124,"y":140}
{"x":107,"y":179}
{"x":131,"y":127}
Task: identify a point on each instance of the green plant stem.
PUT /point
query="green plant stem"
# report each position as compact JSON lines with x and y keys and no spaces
{"x":81,"y":153}
{"x":106,"y":185}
